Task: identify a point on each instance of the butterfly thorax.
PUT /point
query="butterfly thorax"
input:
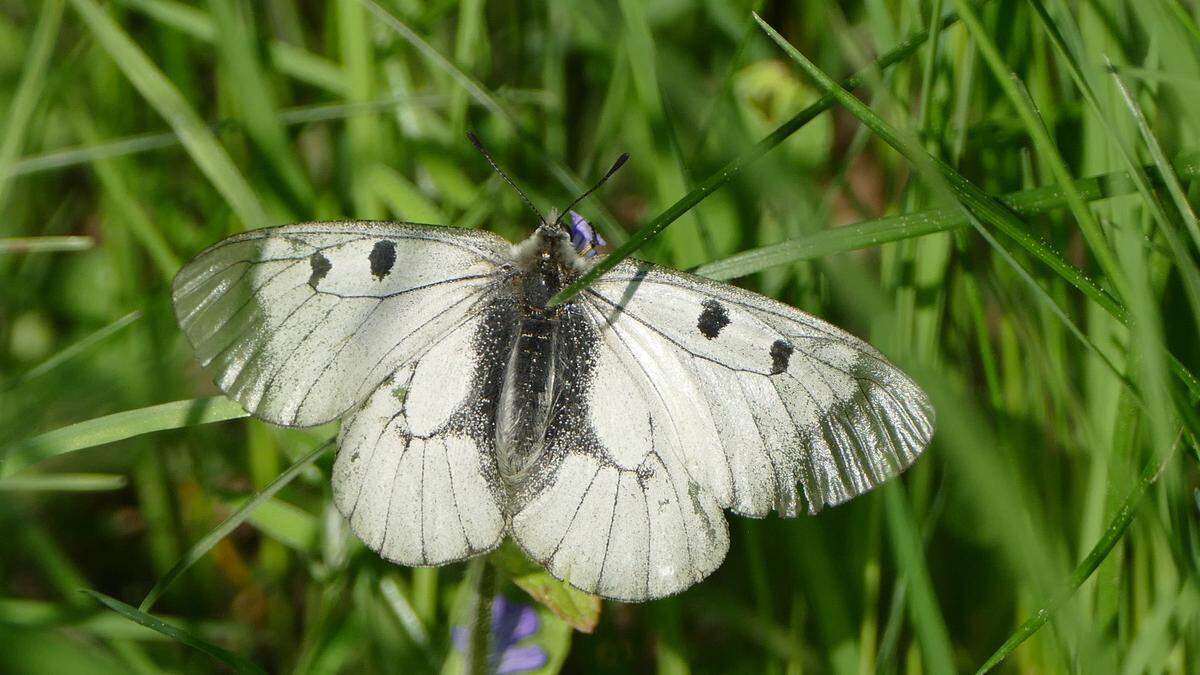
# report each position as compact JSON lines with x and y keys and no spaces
{"x":544,"y":265}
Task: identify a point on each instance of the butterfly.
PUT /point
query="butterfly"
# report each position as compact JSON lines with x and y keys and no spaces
{"x":606,"y":435}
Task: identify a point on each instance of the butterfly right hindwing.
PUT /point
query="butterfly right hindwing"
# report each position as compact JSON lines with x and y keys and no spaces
{"x":416,"y":471}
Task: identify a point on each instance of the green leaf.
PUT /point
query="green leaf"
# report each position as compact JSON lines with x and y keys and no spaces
{"x":240,"y":664}
{"x":139,"y":143}
{"x":402,"y":197}
{"x":253,"y":100}
{"x":578,"y":609}
{"x":484,"y":98}
{"x":977,"y":202}
{"x":116,"y":427}
{"x":293,"y":61}
{"x":285,"y":523}
{"x":878,"y":231}
{"x":1046,"y":149}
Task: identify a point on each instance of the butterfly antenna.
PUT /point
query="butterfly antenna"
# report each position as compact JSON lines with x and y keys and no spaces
{"x":483,"y":151}
{"x":616,"y":165}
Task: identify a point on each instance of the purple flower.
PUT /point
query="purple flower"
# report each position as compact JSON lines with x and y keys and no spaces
{"x":583,"y":236}
{"x":511,"y":623}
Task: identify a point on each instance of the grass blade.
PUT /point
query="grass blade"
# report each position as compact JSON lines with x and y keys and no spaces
{"x":492,"y":104}
{"x":186,"y":19}
{"x":195,"y":135}
{"x":878,"y":231}
{"x":131,"y":145}
{"x":239,"y":664}
{"x":976,"y":201}
{"x":254,"y":104}
{"x":1178,"y":194}
{"x":116,"y":427}
{"x":130,"y":214}
{"x":29,"y":89}
{"x":1187,"y":266}
{"x":936,"y":653}
{"x":295,"y":62}
{"x":734,"y":167}
{"x":1112,"y":534}
{"x":201,"y":547}
{"x":978,"y":204}
{"x":45,"y":244}
{"x":1036,"y":128}
{"x":63,"y":482}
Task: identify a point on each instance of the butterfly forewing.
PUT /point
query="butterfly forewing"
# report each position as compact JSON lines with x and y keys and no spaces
{"x":299,"y":323}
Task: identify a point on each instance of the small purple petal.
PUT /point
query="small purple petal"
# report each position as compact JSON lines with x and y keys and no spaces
{"x":521,"y":659}
{"x":511,"y":622}
{"x":526,"y":624}
{"x":583,"y":235}
{"x":500,"y":608}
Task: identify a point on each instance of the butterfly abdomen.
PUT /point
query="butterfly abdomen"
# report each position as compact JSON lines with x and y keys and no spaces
{"x":526,"y":395}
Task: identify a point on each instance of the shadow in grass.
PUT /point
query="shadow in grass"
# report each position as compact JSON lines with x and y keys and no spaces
{"x":238,"y":663}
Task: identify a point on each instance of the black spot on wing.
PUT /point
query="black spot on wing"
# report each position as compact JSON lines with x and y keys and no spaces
{"x":382,"y":257}
{"x":781,"y":353}
{"x":320,"y":267}
{"x":712,"y":319}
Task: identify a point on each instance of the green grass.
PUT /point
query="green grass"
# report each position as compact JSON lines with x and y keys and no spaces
{"x":1000,"y":195}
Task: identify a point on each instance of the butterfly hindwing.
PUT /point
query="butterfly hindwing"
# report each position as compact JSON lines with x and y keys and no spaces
{"x":300,"y":323}
{"x":416,"y":473}
{"x":609,"y":507}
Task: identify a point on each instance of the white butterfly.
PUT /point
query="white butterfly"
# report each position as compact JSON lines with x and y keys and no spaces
{"x":605,"y":436}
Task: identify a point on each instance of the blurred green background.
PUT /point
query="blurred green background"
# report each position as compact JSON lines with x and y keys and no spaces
{"x":1031,"y":258}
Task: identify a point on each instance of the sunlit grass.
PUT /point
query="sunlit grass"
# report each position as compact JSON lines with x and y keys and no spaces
{"x":1007,"y":210}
